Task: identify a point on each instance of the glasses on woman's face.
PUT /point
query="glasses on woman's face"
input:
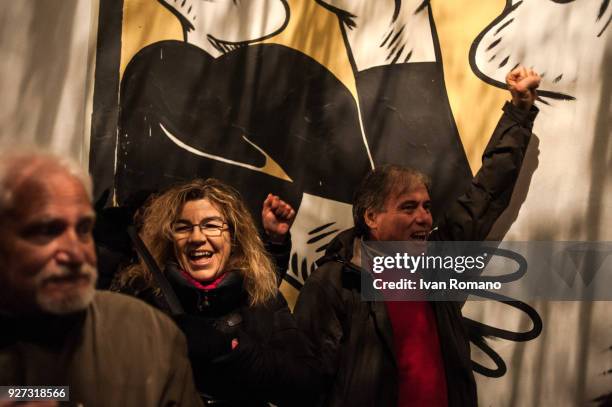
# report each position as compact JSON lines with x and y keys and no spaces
{"x":210,"y":228}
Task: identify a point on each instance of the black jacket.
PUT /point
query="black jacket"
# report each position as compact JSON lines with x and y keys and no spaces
{"x":354,"y":338}
{"x":273,"y":360}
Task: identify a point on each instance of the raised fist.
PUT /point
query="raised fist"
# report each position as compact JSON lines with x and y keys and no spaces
{"x":277,"y":216}
{"x":522,"y":83}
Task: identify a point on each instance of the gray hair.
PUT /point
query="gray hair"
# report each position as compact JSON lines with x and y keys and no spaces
{"x":14,"y":160}
{"x":378,"y":185}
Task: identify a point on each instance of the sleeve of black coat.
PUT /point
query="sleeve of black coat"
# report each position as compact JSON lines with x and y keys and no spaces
{"x":319,"y":314}
{"x":280,"y":253}
{"x":282,"y":370}
{"x":472,"y":216}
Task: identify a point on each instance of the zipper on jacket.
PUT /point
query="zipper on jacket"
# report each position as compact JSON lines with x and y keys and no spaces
{"x":203,"y":302}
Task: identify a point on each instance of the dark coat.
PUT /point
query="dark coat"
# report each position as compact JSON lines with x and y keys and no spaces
{"x":273,"y":360}
{"x":354,"y":338}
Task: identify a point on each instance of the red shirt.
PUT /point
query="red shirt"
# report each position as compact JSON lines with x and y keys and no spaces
{"x":421,"y":376}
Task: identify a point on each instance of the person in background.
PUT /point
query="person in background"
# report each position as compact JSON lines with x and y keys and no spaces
{"x":244,"y":345}
{"x":57,"y":330}
{"x":411,"y":353}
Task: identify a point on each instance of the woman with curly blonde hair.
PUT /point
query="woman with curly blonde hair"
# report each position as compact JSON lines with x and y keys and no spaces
{"x":244,"y":345}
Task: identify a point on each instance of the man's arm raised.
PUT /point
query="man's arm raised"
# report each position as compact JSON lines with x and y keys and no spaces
{"x":472,"y":216}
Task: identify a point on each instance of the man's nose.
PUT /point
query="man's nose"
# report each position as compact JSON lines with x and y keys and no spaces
{"x":72,"y":249}
{"x":424,"y":216}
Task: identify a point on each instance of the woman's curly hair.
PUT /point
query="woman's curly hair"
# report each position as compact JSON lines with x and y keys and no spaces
{"x":247,"y":256}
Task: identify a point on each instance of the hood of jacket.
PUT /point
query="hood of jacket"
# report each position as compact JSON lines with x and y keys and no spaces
{"x":226,"y":297}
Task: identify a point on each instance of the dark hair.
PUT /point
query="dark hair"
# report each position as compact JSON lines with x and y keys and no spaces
{"x":376,"y":187}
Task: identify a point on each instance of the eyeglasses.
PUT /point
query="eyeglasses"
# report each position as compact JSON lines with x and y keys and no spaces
{"x":210,"y":228}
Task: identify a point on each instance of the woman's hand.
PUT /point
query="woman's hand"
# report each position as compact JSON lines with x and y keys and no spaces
{"x":277,"y":216}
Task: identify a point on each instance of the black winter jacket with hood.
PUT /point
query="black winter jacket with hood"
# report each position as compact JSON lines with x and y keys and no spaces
{"x":273,"y":361}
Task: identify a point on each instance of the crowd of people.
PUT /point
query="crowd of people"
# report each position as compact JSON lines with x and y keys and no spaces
{"x":199,"y":318}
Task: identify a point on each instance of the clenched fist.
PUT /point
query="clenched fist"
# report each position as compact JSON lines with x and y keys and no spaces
{"x":277,"y":216}
{"x":522,"y":83}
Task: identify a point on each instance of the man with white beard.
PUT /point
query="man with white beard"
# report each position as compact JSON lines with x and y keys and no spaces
{"x":56,"y":329}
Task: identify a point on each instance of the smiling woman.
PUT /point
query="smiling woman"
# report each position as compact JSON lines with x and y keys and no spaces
{"x":244,"y":345}
{"x":202,"y":249}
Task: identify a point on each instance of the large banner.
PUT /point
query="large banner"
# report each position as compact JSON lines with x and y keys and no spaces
{"x":302,"y":97}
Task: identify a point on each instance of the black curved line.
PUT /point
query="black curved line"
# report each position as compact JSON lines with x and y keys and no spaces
{"x":512,"y":8}
{"x":487,"y":330}
{"x":493,"y":355}
{"x":185,"y":24}
{"x":472,"y":56}
{"x":396,"y":10}
{"x":504,"y":25}
{"x":478,"y":330}
{"x":344,"y":16}
{"x":421,"y":7}
{"x":344,"y":20}
{"x":230,"y":45}
{"x":280,"y":29}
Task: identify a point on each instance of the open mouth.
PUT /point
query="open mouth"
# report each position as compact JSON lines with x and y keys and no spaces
{"x":419,"y":236}
{"x":200,"y":257}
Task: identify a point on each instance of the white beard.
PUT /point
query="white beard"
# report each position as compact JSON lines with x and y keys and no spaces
{"x":72,"y":301}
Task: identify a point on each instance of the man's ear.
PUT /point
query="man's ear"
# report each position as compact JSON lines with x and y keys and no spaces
{"x":371,"y":218}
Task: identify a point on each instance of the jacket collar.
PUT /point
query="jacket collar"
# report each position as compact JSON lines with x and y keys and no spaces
{"x":341,"y":250}
{"x":226,"y":296}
